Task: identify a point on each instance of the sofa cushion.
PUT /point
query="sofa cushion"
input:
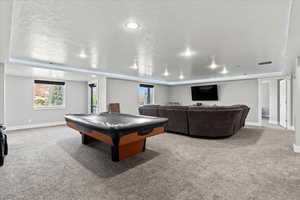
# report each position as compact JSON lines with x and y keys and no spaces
{"x":150,"y":110}
{"x":177,"y":115}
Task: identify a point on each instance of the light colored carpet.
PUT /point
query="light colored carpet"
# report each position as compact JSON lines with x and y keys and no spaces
{"x":51,"y":163}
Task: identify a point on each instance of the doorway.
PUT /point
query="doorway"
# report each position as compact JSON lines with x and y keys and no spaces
{"x":93,"y":98}
{"x":269,"y":102}
{"x":274,"y":102}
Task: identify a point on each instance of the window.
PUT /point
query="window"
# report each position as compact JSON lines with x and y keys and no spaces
{"x":48,"y":94}
{"x":146,"y":94}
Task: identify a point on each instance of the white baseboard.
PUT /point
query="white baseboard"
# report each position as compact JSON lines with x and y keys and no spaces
{"x":29,"y":126}
{"x":252,"y":124}
{"x":296,"y":148}
{"x":273,"y":122}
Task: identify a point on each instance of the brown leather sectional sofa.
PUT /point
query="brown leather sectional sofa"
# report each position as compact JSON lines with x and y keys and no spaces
{"x":201,"y":121}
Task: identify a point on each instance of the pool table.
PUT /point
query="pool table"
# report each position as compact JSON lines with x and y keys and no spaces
{"x":125,"y":133}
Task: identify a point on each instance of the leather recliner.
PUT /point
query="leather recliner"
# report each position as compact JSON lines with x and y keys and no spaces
{"x":3,"y":145}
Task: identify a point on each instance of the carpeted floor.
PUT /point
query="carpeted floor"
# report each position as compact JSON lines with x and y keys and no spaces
{"x":51,"y":163}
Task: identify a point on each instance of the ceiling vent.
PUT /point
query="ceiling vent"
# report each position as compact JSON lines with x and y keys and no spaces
{"x":265,"y":63}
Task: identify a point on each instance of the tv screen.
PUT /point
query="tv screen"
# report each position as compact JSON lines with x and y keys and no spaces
{"x":205,"y":93}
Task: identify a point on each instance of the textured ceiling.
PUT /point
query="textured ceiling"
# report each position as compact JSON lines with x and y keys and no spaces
{"x":237,"y":33}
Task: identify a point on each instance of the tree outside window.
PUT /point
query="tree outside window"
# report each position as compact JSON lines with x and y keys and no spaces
{"x":48,"y":94}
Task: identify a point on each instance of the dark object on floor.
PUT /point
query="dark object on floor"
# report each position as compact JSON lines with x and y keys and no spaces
{"x":114,"y":107}
{"x":3,"y":145}
{"x":201,"y":121}
{"x":125,"y":133}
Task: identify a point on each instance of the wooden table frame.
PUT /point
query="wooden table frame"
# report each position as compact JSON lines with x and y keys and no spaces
{"x":121,"y":147}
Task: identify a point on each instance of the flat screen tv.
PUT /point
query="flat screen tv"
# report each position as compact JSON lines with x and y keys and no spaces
{"x":205,"y":93}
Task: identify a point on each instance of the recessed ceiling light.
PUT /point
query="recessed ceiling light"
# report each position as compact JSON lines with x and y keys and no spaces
{"x":94,"y":76}
{"x":132,"y":25}
{"x":181,"y":76}
{"x":94,"y":66}
{"x":213,"y":64}
{"x":166,"y":73}
{"x":82,"y":54}
{"x":188,"y":53}
{"x":224,"y":71}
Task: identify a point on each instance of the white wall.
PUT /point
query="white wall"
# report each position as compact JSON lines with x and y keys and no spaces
{"x":265,"y":99}
{"x":231,"y":92}
{"x":102,"y":93}
{"x":126,"y":93}
{"x":161,"y":94}
{"x":293,"y":100}
{"x":2,"y":89}
{"x":20,"y":112}
{"x":274,"y":95}
{"x":19,"y":96}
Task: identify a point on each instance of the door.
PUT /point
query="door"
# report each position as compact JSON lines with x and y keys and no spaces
{"x":283,"y":103}
{"x":93,"y":98}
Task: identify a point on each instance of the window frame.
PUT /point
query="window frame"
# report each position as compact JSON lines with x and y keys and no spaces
{"x":60,"y":107}
{"x":153,"y":98}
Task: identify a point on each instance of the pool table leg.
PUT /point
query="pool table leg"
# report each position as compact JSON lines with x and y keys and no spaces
{"x":115,"y":153}
{"x":125,"y":151}
{"x":115,"y":149}
{"x":85,"y":139}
